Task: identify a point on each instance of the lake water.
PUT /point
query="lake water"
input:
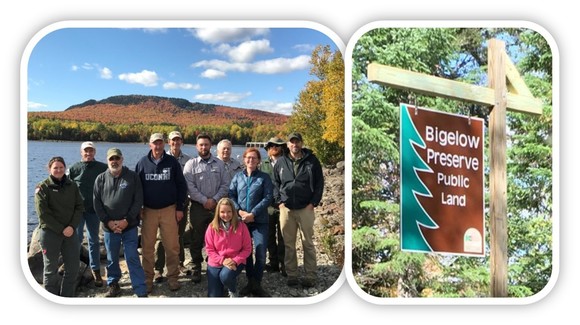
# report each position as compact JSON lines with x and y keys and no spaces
{"x":40,"y":152}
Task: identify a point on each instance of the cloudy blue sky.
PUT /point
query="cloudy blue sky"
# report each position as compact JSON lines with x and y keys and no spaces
{"x":261,"y":68}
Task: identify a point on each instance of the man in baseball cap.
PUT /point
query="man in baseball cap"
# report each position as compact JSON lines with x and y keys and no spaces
{"x":164,"y":195}
{"x":294,"y":135}
{"x":84,"y":173}
{"x":87,"y":144}
{"x":175,"y":141}
{"x":298,"y":188}
{"x":156,"y":136}
{"x":114,"y":152}
{"x":174,"y":134}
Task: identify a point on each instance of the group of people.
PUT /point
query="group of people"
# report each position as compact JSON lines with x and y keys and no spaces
{"x":240,"y":211}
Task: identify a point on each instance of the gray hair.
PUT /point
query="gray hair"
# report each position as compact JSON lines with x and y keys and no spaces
{"x":221,"y":143}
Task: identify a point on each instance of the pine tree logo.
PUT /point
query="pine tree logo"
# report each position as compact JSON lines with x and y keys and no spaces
{"x":413,"y":215}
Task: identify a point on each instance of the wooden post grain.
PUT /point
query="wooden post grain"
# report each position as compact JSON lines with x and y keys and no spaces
{"x":498,"y":178}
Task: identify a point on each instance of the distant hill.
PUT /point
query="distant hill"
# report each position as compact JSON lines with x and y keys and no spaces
{"x":139,"y":109}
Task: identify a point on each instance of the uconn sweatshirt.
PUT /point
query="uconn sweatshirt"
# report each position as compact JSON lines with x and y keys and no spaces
{"x":163,"y":182}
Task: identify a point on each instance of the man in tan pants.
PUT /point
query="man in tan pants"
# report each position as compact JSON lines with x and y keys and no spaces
{"x":164,"y":194}
{"x":298,"y":187}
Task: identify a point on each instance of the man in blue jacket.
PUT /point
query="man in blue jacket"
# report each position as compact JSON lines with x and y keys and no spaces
{"x":164,"y":194}
{"x":298,"y":187}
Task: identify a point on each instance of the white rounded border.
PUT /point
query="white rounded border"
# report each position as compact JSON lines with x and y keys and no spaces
{"x":24,"y":159}
{"x":555,"y":161}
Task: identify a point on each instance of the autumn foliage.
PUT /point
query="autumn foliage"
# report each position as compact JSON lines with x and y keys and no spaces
{"x":132,"y":118}
{"x":319,"y":111}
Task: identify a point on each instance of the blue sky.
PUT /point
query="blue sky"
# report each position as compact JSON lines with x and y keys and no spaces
{"x":260,"y":68}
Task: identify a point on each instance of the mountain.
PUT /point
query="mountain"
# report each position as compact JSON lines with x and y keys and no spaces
{"x":139,"y":109}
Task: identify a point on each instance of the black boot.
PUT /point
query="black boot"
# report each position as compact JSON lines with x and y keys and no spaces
{"x":258,"y":291}
{"x":247,"y":290}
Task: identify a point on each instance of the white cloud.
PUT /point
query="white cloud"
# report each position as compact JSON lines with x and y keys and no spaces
{"x":222,"y":35}
{"x":273,"y":66}
{"x":279,"y":88}
{"x":308,"y":48}
{"x":223,"y":97}
{"x":146,"y":78}
{"x":35,"y":106}
{"x":74,"y":67}
{"x":88,"y":66}
{"x":282,"y":65}
{"x":213,"y":74}
{"x":271,"y":106}
{"x":246,"y":51}
{"x":106,"y":73}
{"x":182,"y":85}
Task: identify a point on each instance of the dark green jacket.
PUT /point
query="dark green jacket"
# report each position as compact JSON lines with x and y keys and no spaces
{"x":58,"y":205}
{"x":84,"y":174}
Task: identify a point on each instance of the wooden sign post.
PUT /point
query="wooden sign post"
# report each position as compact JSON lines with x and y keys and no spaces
{"x":506,"y":90}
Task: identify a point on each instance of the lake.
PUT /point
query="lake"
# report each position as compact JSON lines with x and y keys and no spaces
{"x":40,"y":152}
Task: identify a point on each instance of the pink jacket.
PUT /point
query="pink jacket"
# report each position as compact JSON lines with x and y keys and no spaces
{"x":223,"y":244}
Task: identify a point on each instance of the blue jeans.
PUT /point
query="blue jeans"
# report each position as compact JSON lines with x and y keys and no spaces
{"x":54,"y":245}
{"x":259,"y":234}
{"x":220,"y":277}
{"x":93,"y":223}
{"x":130,"y":241}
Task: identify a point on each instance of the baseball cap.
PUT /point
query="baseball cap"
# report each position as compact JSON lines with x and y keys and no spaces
{"x":155,"y":137}
{"x":114,"y":152}
{"x":87,"y":144}
{"x":175,"y":134}
{"x":295,"y":135}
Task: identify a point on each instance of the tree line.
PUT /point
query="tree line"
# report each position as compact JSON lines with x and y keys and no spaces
{"x":69,"y":130}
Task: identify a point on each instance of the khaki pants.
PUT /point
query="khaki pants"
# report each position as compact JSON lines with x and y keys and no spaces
{"x":164,"y":220}
{"x":292,"y":221}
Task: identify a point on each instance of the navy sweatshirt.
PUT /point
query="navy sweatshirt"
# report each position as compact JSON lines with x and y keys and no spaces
{"x":163,"y":183}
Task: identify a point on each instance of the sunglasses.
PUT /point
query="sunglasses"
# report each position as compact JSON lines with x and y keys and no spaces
{"x":114,"y":158}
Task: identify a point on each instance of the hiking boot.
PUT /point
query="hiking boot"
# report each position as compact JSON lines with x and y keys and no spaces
{"x":114,"y":290}
{"x":149,"y":287}
{"x":258,"y":291}
{"x":174,"y":286}
{"x":143,"y":296}
{"x":272,"y":268}
{"x":184,"y":270}
{"x":158,"y":277}
{"x":292,"y":281}
{"x":308,"y":282}
{"x":247,"y":290}
{"x":196,"y":276}
{"x":98,"y":279}
{"x":283,"y":270}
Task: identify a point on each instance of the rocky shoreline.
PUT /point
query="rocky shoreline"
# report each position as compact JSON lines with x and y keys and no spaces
{"x":329,"y":241}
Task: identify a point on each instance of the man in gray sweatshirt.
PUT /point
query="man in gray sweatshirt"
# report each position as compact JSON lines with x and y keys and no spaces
{"x":118,"y":197}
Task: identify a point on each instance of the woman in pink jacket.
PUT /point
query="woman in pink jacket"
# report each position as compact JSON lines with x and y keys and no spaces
{"x":228,"y":244}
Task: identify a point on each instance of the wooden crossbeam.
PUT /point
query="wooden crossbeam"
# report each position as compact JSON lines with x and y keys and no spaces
{"x":521,"y":100}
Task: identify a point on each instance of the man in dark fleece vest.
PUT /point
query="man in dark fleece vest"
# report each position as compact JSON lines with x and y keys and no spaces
{"x":164,"y":194}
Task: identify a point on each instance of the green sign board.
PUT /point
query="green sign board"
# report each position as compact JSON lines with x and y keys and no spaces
{"x":442,"y":184}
